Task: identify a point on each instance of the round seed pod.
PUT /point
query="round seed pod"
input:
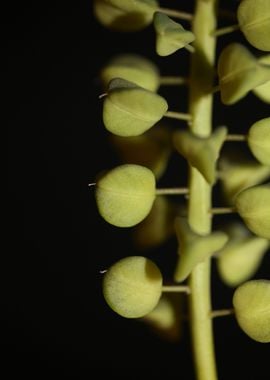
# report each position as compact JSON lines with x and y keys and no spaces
{"x":132,"y":286}
{"x":253,"y":205}
{"x":259,"y":140}
{"x":125,"y":15}
{"x":125,"y":195}
{"x":134,"y":68}
{"x":252,"y":309}
{"x":254,"y":21}
{"x":241,"y":257}
{"x":263,"y":91}
{"x":239,"y":72}
{"x":130,"y":110}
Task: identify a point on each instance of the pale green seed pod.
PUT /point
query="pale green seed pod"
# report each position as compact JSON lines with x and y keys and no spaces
{"x":151,"y":149}
{"x":157,"y":227}
{"x":125,"y":195}
{"x":241,"y":257}
{"x":134,"y":68}
{"x":194,"y":248}
{"x":237,"y":173}
{"x":239,"y":72}
{"x":125,"y":15}
{"x":263,"y":91}
{"x":201,"y":152}
{"x":252,"y":309}
{"x":132,"y":286}
{"x":253,"y":205}
{"x":170,"y":35}
{"x":166,"y":318}
{"x":254,"y":21}
{"x":130,"y":110}
{"x":259,"y":140}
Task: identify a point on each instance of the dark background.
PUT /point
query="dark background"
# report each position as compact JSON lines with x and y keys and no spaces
{"x":55,"y":321}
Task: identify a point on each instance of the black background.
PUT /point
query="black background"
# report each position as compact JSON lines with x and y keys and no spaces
{"x":55,"y":320}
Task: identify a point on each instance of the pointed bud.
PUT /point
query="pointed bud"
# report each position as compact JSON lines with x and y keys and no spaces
{"x":170,"y":35}
{"x":194,"y":248}
{"x":201,"y":152}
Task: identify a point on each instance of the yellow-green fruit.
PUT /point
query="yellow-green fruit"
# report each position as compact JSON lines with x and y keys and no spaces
{"x":130,"y":110}
{"x":125,"y":15}
{"x":239,"y":72}
{"x":259,"y":140}
{"x":134,"y":68}
{"x":170,"y":35}
{"x":125,"y":194}
{"x":252,"y":309}
{"x":132,"y":286}
{"x":253,"y":205}
{"x":241,"y":257}
{"x":263,"y":91}
{"x":254,"y":21}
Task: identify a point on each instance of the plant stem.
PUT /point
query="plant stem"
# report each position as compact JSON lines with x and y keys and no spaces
{"x":176,"y":289}
{"x":201,"y":79}
{"x":172,"y":81}
{"x":172,"y":191}
{"x":178,"y":115}
{"x":175,"y":13}
{"x":225,"y":30}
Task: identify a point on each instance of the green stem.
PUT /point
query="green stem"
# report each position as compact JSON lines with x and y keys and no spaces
{"x":201,"y":79}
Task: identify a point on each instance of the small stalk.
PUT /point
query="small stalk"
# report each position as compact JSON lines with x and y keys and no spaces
{"x":178,"y":115}
{"x":172,"y":81}
{"x":175,"y":13}
{"x":221,"y":313}
{"x":236,"y":138}
{"x":225,"y":30}
{"x":172,"y":191}
{"x":176,"y":289}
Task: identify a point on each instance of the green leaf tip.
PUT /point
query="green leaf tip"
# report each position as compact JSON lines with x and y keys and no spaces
{"x":170,"y":35}
{"x":194,"y":248}
{"x":125,"y":15}
{"x":254,"y":21}
{"x":252,"y":309}
{"x":133,"y":68}
{"x":240,"y":258}
{"x":125,"y":194}
{"x":253,"y":205}
{"x":239,"y":72}
{"x":130,"y":110}
{"x":201,"y":152}
{"x":259,"y":140}
{"x":132,"y":286}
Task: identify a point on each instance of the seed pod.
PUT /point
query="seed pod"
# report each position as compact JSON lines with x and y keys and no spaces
{"x":254,"y":21}
{"x":241,"y":257}
{"x":259,"y":140}
{"x":170,"y":35}
{"x":125,"y":15}
{"x":133,"y":68}
{"x":166,"y":318}
{"x":194,"y":248}
{"x":125,"y":194}
{"x":253,"y":205}
{"x":201,"y":152}
{"x":130,"y":110}
{"x":151,"y":149}
{"x":252,"y":309}
{"x":239,"y":72}
{"x":132,"y":286}
{"x":237,"y":173}
{"x":157,"y":227}
{"x":263,"y":91}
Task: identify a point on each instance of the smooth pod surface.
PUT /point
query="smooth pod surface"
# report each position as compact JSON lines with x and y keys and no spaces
{"x":253,"y":205}
{"x":134,"y":68}
{"x":259,"y":140}
{"x":132,"y":286}
{"x":254,"y":21}
{"x":130,"y":110}
{"x":125,"y":194}
{"x":125,"y":15}
{"x":252,"y":309}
